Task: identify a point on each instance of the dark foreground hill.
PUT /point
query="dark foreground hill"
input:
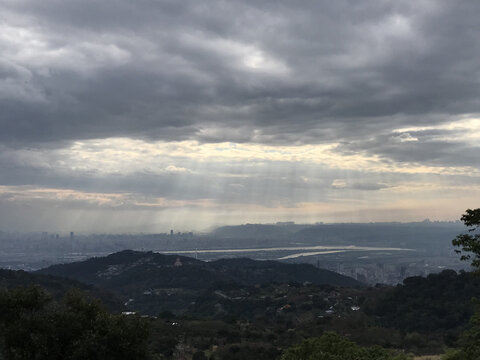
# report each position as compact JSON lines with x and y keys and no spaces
{"x":437,"y":303}
{"x":56,"y":286}
{"x":151,"y":283}
{"x":221,"y":304}
{"x":147,"y":270}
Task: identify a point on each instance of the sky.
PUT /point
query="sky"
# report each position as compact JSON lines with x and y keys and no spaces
{"x":147,"y":115}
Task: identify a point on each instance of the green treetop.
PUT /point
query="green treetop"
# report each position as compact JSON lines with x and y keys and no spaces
{"x":470,"y":243}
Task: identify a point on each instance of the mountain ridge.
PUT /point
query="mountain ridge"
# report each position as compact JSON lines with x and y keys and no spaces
{"x":159,"y":270}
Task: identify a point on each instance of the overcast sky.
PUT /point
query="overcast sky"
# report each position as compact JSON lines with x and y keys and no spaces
{"x":146,"y":115}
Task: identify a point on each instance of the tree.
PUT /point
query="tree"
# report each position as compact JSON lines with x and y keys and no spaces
{"x":33,"y":326}
{"x":331,"y":346}
{"x":470,"y":243}
{"x":469,"y":341}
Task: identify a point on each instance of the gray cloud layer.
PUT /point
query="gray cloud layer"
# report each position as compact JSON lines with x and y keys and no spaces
{"x":276,"y":72}
{"x":380,"y":80}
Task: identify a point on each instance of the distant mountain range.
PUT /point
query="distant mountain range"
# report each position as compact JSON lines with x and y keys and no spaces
{"x":419,"y":235}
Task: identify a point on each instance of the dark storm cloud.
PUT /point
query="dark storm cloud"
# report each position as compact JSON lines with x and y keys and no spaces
{"x":267,"y":72}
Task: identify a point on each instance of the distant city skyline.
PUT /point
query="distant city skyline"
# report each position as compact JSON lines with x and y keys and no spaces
{"x":120,"y":116}
{"x":155,"y":229}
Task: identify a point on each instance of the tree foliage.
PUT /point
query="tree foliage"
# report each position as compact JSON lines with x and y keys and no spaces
{"x":470,"y":341}
{"x":470,"y":242}
{"x":437,"y":304}
{"x":331,"y":346}
{"x":33,"y":326}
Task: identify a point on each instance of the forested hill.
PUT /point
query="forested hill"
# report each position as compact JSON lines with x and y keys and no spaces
{"x":56,"y":286}
{"x":152,"y":270}
{"x":437,"y":303}
{"x":187,"y":296}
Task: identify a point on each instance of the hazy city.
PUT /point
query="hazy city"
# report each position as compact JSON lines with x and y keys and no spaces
{"x":383,"y":253}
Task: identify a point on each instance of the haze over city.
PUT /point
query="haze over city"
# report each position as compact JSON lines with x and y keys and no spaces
{"x":120,"y":116}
